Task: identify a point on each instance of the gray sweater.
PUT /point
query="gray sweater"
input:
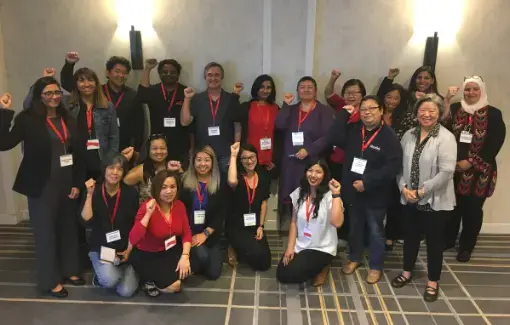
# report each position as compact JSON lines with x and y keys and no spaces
{"x":437,"y":166}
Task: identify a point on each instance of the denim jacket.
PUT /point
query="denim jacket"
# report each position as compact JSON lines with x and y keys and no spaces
{"x":105,"y":123}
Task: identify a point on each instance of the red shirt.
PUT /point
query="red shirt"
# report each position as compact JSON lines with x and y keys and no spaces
{"x":152,"y":238}
{"x":261,"y":118}
{"x":338,"y":103}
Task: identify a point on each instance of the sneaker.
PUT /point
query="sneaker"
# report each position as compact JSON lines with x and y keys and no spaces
{"x":151,"y":290}
{"x":463,"y":256}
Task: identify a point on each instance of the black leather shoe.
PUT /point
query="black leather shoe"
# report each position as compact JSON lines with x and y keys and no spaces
{"x":76,"y":282}
{"x":463,"y":256}
{"x":431,"y":293}
{"x":59,"y":294}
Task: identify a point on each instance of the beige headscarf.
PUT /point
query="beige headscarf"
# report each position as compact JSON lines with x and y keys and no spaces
{"x":471,"y":109}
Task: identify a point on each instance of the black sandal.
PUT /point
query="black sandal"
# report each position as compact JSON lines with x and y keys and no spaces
{"x":431,"y":294}
{"x":400,"y":281}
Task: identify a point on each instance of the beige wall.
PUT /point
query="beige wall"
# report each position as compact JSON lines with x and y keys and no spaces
{"x":361,"y":37}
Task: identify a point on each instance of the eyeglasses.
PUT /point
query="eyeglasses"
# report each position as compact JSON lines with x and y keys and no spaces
{"x":473,"y":77}
{"x":50,"y":94}
{"x":251,"y":158}
{"x":370,"y":109}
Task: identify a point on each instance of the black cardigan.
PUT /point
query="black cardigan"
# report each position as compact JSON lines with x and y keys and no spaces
{"x":216,"y":211}
{"x":100,"y":223}
{"x":35,"y":167}
{"x":384,"y":161}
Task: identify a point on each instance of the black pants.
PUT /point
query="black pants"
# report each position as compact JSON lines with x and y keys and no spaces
{"x":394,"y":218}
{"x":255,"y":253}
{"x":336,"y":173}
{"x":303,"y":267}
{"x":54,"y":222}
{"x":469,"y":210}
{"x":432,"y":224}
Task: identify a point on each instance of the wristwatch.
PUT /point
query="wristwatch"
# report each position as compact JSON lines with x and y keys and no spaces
{"x":207,"y":233}
{"x":336,"y":195}
{"x":261,"y":226}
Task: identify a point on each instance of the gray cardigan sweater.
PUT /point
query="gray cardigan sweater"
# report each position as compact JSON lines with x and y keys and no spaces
{"x":437,"y":166}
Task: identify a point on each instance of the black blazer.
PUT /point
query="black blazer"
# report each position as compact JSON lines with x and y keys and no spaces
{"x":215,"y":212}
{"x":35,"y":166}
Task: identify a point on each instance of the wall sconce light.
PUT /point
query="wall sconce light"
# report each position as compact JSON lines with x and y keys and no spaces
{"x":135,"y":45}
{"x":430,"y":55}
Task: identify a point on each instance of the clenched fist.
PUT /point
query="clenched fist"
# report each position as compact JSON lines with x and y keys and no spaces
{"x":335,"y":74}
{"x":393,"y":73}
{"x":189,"y":93}
{"x":288,"y":98}
{"x":238,"y":87}
{"x":90,"y":185}
{"x":72,"y":57}
{"x":6,"y":101}
{"x":49,"y":72}
{"x":234,"y":149}
{"x":151,"y":64}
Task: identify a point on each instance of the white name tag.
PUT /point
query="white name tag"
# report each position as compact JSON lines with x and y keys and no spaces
{"x":358,"y":165}
{"x":214,"y":131}
{"x":118,"y":122}
{"x":199,"y":217}
{"x":466,"y":137}
{"x":265,"y":144}
{"x":66,"y":160}
{"x":307,"y":233}
{"x":92,"y":144}
{"x":107,"y":254}
{"x":250,"y":219}
{"x":113,"y":236}
{"x":298,"y":138}
{"x":170,"y":242}
{"x":169,"y":122}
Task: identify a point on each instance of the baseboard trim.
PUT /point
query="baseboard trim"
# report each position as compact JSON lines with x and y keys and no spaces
{"x":8,"y":219}
{"x":495,"y":228}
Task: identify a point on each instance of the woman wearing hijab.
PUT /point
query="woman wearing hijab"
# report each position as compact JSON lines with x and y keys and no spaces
{"x":480,"y":133}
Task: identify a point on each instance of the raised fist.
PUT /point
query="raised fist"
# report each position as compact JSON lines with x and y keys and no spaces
{"x":288,"y":98}
{"x":335,"y":74}
{"x":238,"y":87}
{"x":49,"y":72}
{"x":189,"y":93}
{"x":334,"y":186}
{"x":151,"y":205}
{"x":234,"y":149}
{"x":174,"y":165}
{"x":452,"y":91}
{"x":90,"y":185}
{"x":128,"y":153}
{"x":151,"y":64}
{"x":72,"y":57}
{"x":6,"y":101}
{"x":349,"y":108}
{"x":393,"y":73}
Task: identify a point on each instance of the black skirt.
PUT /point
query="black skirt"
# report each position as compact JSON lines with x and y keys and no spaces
{"x":157,"y":267}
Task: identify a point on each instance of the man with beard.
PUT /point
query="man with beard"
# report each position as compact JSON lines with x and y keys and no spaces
{"x":130,"y":116}
{"x":165,"y":100}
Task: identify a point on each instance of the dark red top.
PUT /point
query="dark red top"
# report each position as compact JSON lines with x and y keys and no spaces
{"x":152,"y":238}
{"x":261,"y":118}
{"x":338,"y":103}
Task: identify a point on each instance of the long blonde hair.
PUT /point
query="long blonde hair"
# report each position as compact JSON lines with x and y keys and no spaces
{"x":190,"y":179}
{"x":100,"y":99}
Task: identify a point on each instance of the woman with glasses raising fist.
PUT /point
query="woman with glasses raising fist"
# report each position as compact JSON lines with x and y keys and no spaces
{"x":50,"y":175}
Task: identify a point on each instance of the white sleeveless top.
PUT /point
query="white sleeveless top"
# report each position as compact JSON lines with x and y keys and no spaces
{"x":323,"y":234}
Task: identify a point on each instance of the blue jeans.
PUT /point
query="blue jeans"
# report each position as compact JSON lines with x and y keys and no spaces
{"x":361,"y":215}
{"x":122,"y":277}
{"x":207,"y":261}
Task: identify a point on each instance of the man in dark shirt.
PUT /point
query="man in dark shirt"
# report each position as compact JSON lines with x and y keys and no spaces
{"x":130,"y":115}
{"x":216,"y":114}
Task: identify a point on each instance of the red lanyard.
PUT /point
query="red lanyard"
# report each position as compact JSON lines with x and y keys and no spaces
{"x":163,"y":90}
{"x":266,"y":117}
{"x":115,"y":207}
{"x":364,"y":145}
{"x":214,"y":110}
{"x":302,"y":119}
{"x":89,"y":119}
{"x":251,"y":191}
{"x":63,"y":139}
{"x":169,"y":221}
{"x":309,"y":208}
{"x":107,"y":93}
{"x":200,"y":196}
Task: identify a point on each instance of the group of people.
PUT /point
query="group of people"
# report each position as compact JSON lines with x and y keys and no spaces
{"x":154,"y":210}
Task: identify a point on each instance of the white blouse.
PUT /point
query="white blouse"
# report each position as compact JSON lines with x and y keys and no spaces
{"x":322,"y":235}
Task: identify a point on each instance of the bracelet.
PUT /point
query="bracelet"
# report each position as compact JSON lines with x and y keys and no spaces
{"x":185,"y":254}
{"x":336,"y":195}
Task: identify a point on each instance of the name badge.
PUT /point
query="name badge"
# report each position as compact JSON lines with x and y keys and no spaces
{"x":107,"y":254}
{"x":169,"y":122}
{"x":298,"y":138}
{"x":118,"y":122}
{"x":265,"y":144}
{"x":170,"y":242}
{"x":199,"y":217}
{"x":307,"y":233}
{"x":214,"y":131}
{"x":66,"y":160}
{"x":466,"y":137}
{"x":358,"y":165}
{"x":92,"y":144}
{"x":250,"y":219}
{"x":112,"y":236}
